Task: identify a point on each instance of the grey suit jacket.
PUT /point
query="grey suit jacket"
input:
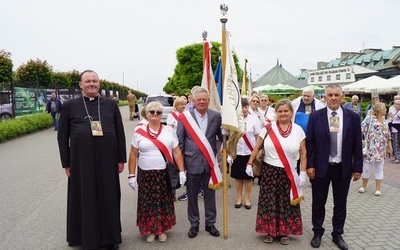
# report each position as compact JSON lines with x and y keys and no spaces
{"x":195,"y":162}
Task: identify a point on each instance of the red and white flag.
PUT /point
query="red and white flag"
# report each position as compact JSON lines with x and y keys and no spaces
{"x":208,"y":81}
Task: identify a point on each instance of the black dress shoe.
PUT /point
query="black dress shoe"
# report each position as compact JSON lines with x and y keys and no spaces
{"x":238,"y":205}
{"x":212,"y":230}
{"x":338,"y":240}
{"x":111,"y":247}
{"x":193,"y":231}
{"x":316,"y":241}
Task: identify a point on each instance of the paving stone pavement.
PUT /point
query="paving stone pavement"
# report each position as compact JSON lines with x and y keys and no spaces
{"x":33,"y":207}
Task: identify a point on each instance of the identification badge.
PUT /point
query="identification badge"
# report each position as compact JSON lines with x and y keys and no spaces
{"x":334,"y":124}
{"x":97,"y":130}
{"x":308,"y":109}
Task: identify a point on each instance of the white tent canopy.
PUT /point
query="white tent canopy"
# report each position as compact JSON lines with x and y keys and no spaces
{"x":391,"y":85}
{"x":360,"y":86}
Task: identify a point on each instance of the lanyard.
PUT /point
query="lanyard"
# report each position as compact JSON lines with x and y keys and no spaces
{"x":87,"y":112}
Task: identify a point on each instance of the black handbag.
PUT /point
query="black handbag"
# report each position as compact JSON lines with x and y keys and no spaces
{"x":173,"y":180}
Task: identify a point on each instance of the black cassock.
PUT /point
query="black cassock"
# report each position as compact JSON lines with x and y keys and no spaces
{"x":93,"y":213}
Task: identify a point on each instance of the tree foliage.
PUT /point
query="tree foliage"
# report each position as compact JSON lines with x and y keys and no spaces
{"x":6,"y":72}
{"x":60,"y":81}
{"x":37,"y":73}
{"x":189,"y":70}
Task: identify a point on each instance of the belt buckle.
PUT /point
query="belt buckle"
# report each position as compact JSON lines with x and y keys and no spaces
{"x":333,"y":163}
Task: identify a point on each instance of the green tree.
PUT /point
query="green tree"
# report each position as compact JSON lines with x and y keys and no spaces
{"x":73,"y":78}
{"x":189,"y":70}
{"x":60,"y":81}
{"x":6,"y":72}
{"x":35,"y":74}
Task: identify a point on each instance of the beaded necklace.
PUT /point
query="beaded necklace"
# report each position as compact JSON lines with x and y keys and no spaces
{"x":286,"y":133}
{"x":151,"y":134}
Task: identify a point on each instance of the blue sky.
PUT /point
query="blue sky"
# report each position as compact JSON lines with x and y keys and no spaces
{"x":134,"y":42}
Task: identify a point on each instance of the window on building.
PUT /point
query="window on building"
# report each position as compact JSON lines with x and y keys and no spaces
{"x":348,"y":75}
{"x":320,"y":78}
{"x":312,"y":79}
{"x":328,"y":78}
{"x":338,"y":77}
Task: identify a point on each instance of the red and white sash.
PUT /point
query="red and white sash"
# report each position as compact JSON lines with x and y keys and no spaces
{"x":201,"y":141}
{"x":296,"y":192}
{"x":167,"y":153}
{"x":246,"y":140}
{"x":175,"y":115}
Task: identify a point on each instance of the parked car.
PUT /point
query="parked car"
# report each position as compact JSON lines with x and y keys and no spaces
{"x":5,"y":106}
{"x":166,"y":100}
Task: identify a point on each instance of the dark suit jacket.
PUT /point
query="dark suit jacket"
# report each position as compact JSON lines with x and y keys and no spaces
{"x":195,"y":162}
{"x":318,"y":143}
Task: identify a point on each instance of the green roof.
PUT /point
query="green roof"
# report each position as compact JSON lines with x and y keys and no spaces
{"x":274,"y":76}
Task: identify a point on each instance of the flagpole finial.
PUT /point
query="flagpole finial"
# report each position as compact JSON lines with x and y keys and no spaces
{"x":204,"y":35}
{"x":224,"y":10}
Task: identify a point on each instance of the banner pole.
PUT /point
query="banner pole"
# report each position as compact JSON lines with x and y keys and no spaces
{"x":224,"y":20}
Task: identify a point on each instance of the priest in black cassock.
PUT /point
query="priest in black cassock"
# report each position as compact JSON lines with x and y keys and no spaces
{"x":91,"y":140}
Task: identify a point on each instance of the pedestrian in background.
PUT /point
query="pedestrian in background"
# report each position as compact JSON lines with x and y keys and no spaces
{"x":92,"y":162}
{"x":394,"y":126}
{"x":267,"y":111}
{"x":53,"y":107}
{"x":156,"y":144}
{"x":378,"y":140}
{"x":132,"y":104}
{"x":354,"y":106}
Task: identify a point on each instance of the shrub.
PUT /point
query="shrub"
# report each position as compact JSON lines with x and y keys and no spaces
{"x":26,"y":124}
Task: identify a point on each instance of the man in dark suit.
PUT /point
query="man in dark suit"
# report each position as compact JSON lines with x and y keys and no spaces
{"x":207,"y":123}
{"x":334,"y":156}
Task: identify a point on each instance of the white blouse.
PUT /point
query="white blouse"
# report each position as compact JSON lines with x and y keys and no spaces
{"x":290,"y":144}
{"x":150,"y":157}
{"x":253,"y":127}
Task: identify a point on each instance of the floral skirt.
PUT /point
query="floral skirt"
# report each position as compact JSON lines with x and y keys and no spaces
{"x":275,"y":216}
{"x":155,"y":209}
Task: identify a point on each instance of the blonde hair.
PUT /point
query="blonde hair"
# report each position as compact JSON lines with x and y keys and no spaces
{"x":379,"y":106}
{"x":178,"y":101}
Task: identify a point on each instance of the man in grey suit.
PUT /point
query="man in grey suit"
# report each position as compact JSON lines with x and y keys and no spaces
{"x":196,"y":165}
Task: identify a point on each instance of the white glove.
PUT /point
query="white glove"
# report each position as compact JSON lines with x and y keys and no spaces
{"x":225,"y":131}
{"x":133,"y":183}
{"x":302,"y":178}
{"x":249,"y":170}
{"x":229,"y":160}
{"x":182,"y":178}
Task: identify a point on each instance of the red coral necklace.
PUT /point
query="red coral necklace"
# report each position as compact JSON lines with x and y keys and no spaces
{"x":283,"y":133}
{"x":151,"y":134}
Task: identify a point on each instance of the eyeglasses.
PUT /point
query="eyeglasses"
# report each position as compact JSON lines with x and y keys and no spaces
{"x":264,"y":100}
{"x":153,"y":112}
{"x":255,"y":101}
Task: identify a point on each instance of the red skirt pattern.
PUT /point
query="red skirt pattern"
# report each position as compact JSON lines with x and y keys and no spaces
{"x":275,"y":216}
{"x":155,"y":209}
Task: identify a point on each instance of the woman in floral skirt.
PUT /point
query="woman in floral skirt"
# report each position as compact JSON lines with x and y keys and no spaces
{"x":155,"y":210}
{"x":278,"y":212}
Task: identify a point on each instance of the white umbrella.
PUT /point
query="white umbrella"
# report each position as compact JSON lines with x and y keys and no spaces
{"x":361,"y":85}
{"x":391,"y":85}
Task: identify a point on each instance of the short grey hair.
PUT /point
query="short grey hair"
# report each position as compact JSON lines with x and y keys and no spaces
{"x":334,"y":86}
{"x":154,"y":104}
{"x":200,"y":90}
{"x":308,"y":90}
